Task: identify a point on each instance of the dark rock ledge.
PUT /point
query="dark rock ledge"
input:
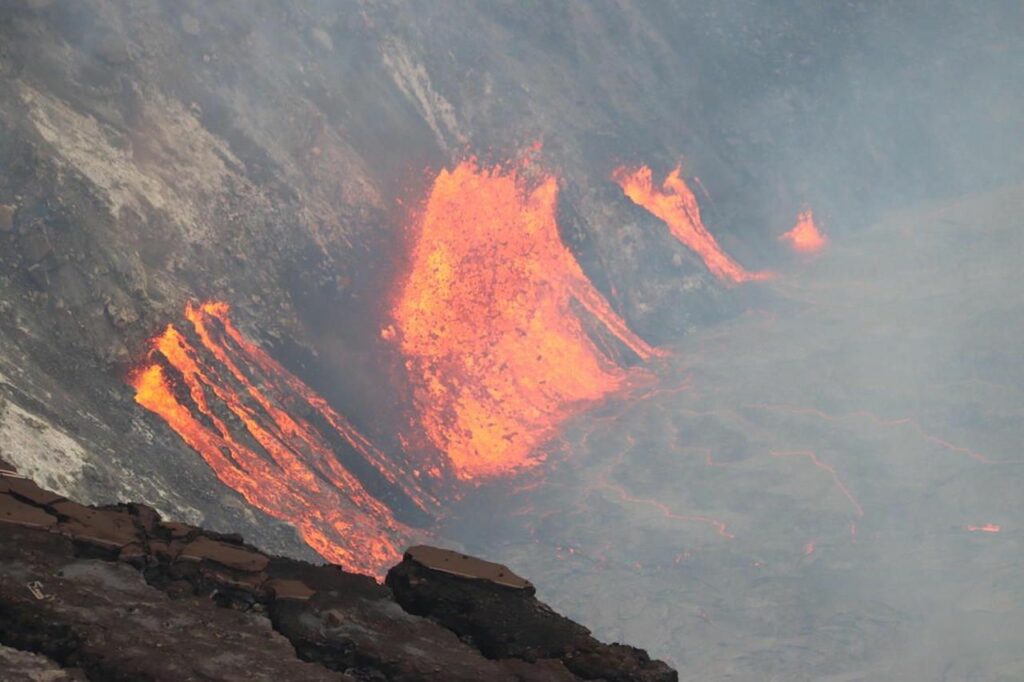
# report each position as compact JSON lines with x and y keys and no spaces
{"x":116,"y":593}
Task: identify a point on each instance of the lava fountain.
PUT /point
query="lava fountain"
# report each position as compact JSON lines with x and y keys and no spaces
{"x":492,"y":319}
{"x":675,"y":204}
{"x":805,"y":237}
{"x":239,"y":409}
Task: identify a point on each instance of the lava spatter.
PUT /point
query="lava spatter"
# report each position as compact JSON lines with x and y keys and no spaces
{"x":278,"y":461}
{"x":675,"y":204}
{"x":984,"y":528}
{"x":805,"y":237}
{"x":496,"y":351}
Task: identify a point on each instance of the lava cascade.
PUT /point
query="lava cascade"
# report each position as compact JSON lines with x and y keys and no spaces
{"x":675,"y":204}
{"x":497,"y":351}
{"x":226,"y":398}
{"x":805,"y":237}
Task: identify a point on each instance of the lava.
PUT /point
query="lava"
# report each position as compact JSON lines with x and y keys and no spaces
{"x":805,"y":237}
{"x":881,"y":421}
{"x":720,"y":527}
{"x":224,"y":397}
{"x":675,"y":204}
{"x":394,"y":474}
{"x":492,"y":320}
{"x":984,"y":528}
{"x":858,"y":509}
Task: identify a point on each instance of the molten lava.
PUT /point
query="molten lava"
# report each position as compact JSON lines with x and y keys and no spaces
{"x":225,"y":397}
{"x":805,"y":237}
{"x":675,"y":204}
{"x":492,"y":320}
{"x":984,"y":528}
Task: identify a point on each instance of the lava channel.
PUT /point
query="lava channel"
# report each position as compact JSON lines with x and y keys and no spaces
{"x":492,"y":319}
{"x":675,"y":204}
{"x":226,"y":398}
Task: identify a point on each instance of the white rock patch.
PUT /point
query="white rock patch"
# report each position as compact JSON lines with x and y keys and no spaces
{"x":38,"y":450}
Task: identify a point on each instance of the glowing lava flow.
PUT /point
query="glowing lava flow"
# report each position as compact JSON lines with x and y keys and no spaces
{"x":675,"y":204}
{"x":805,"y":237}
{"x":831,"y":472}
{"x":984,"y":528}
{"x":277,"y":460}
{"x":497,"y":353}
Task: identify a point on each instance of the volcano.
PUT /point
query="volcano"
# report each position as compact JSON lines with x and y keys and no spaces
{"x":703,"y":319}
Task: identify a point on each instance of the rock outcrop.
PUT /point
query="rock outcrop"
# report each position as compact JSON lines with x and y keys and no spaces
{"x":117,"y":593}
{"x":507,"y":622}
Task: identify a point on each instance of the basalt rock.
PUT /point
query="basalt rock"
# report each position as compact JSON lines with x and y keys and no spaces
{"x":116,"y":593}
{"x":505,"y":620}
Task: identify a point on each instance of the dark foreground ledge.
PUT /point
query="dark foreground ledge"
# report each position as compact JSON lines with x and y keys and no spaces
{"x":116,"y":593}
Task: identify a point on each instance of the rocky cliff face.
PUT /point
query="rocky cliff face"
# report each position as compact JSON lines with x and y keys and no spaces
{"x":116,"y":593}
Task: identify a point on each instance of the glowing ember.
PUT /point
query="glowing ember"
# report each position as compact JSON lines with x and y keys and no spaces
{"x":675,"y":204}
{"x":497,"y":351}
{"x":278,"y":461}
{"x":805,"y":237}
{"x":984,"y":528}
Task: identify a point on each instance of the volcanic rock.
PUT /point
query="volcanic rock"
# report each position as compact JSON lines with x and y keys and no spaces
{"x":105,"y":528}
{"x":21,"y":514}
{"x":22,"y":665}
{"x":116,"y":593}
{"x":203,"y":548}
{"x":509,"y":622}
{"x":6,"y":218}
{"x":29,"y":491}
{"x":103,"y":617}
{"x":283,"y":588}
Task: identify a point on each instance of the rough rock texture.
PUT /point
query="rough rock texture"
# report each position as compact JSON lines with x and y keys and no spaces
{"x":22,"y":665}
{"x":509,"y":623}
{"x":114,"y":593}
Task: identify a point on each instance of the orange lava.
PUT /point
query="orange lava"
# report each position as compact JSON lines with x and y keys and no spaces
{"x":805,"y":237}
{"x":984,"y":528}
{"x":492,"y":320}
{"x":721,"y":528}
{"x":234,"y":418}
{"x":675,"y":204}
{"x":813,"y":458}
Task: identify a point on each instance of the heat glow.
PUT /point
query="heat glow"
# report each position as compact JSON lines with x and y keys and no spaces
{"x":675,"y":204}
{"x":492,"y":320}
{"x":805,"y":237}
{"x":226,"y":398}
